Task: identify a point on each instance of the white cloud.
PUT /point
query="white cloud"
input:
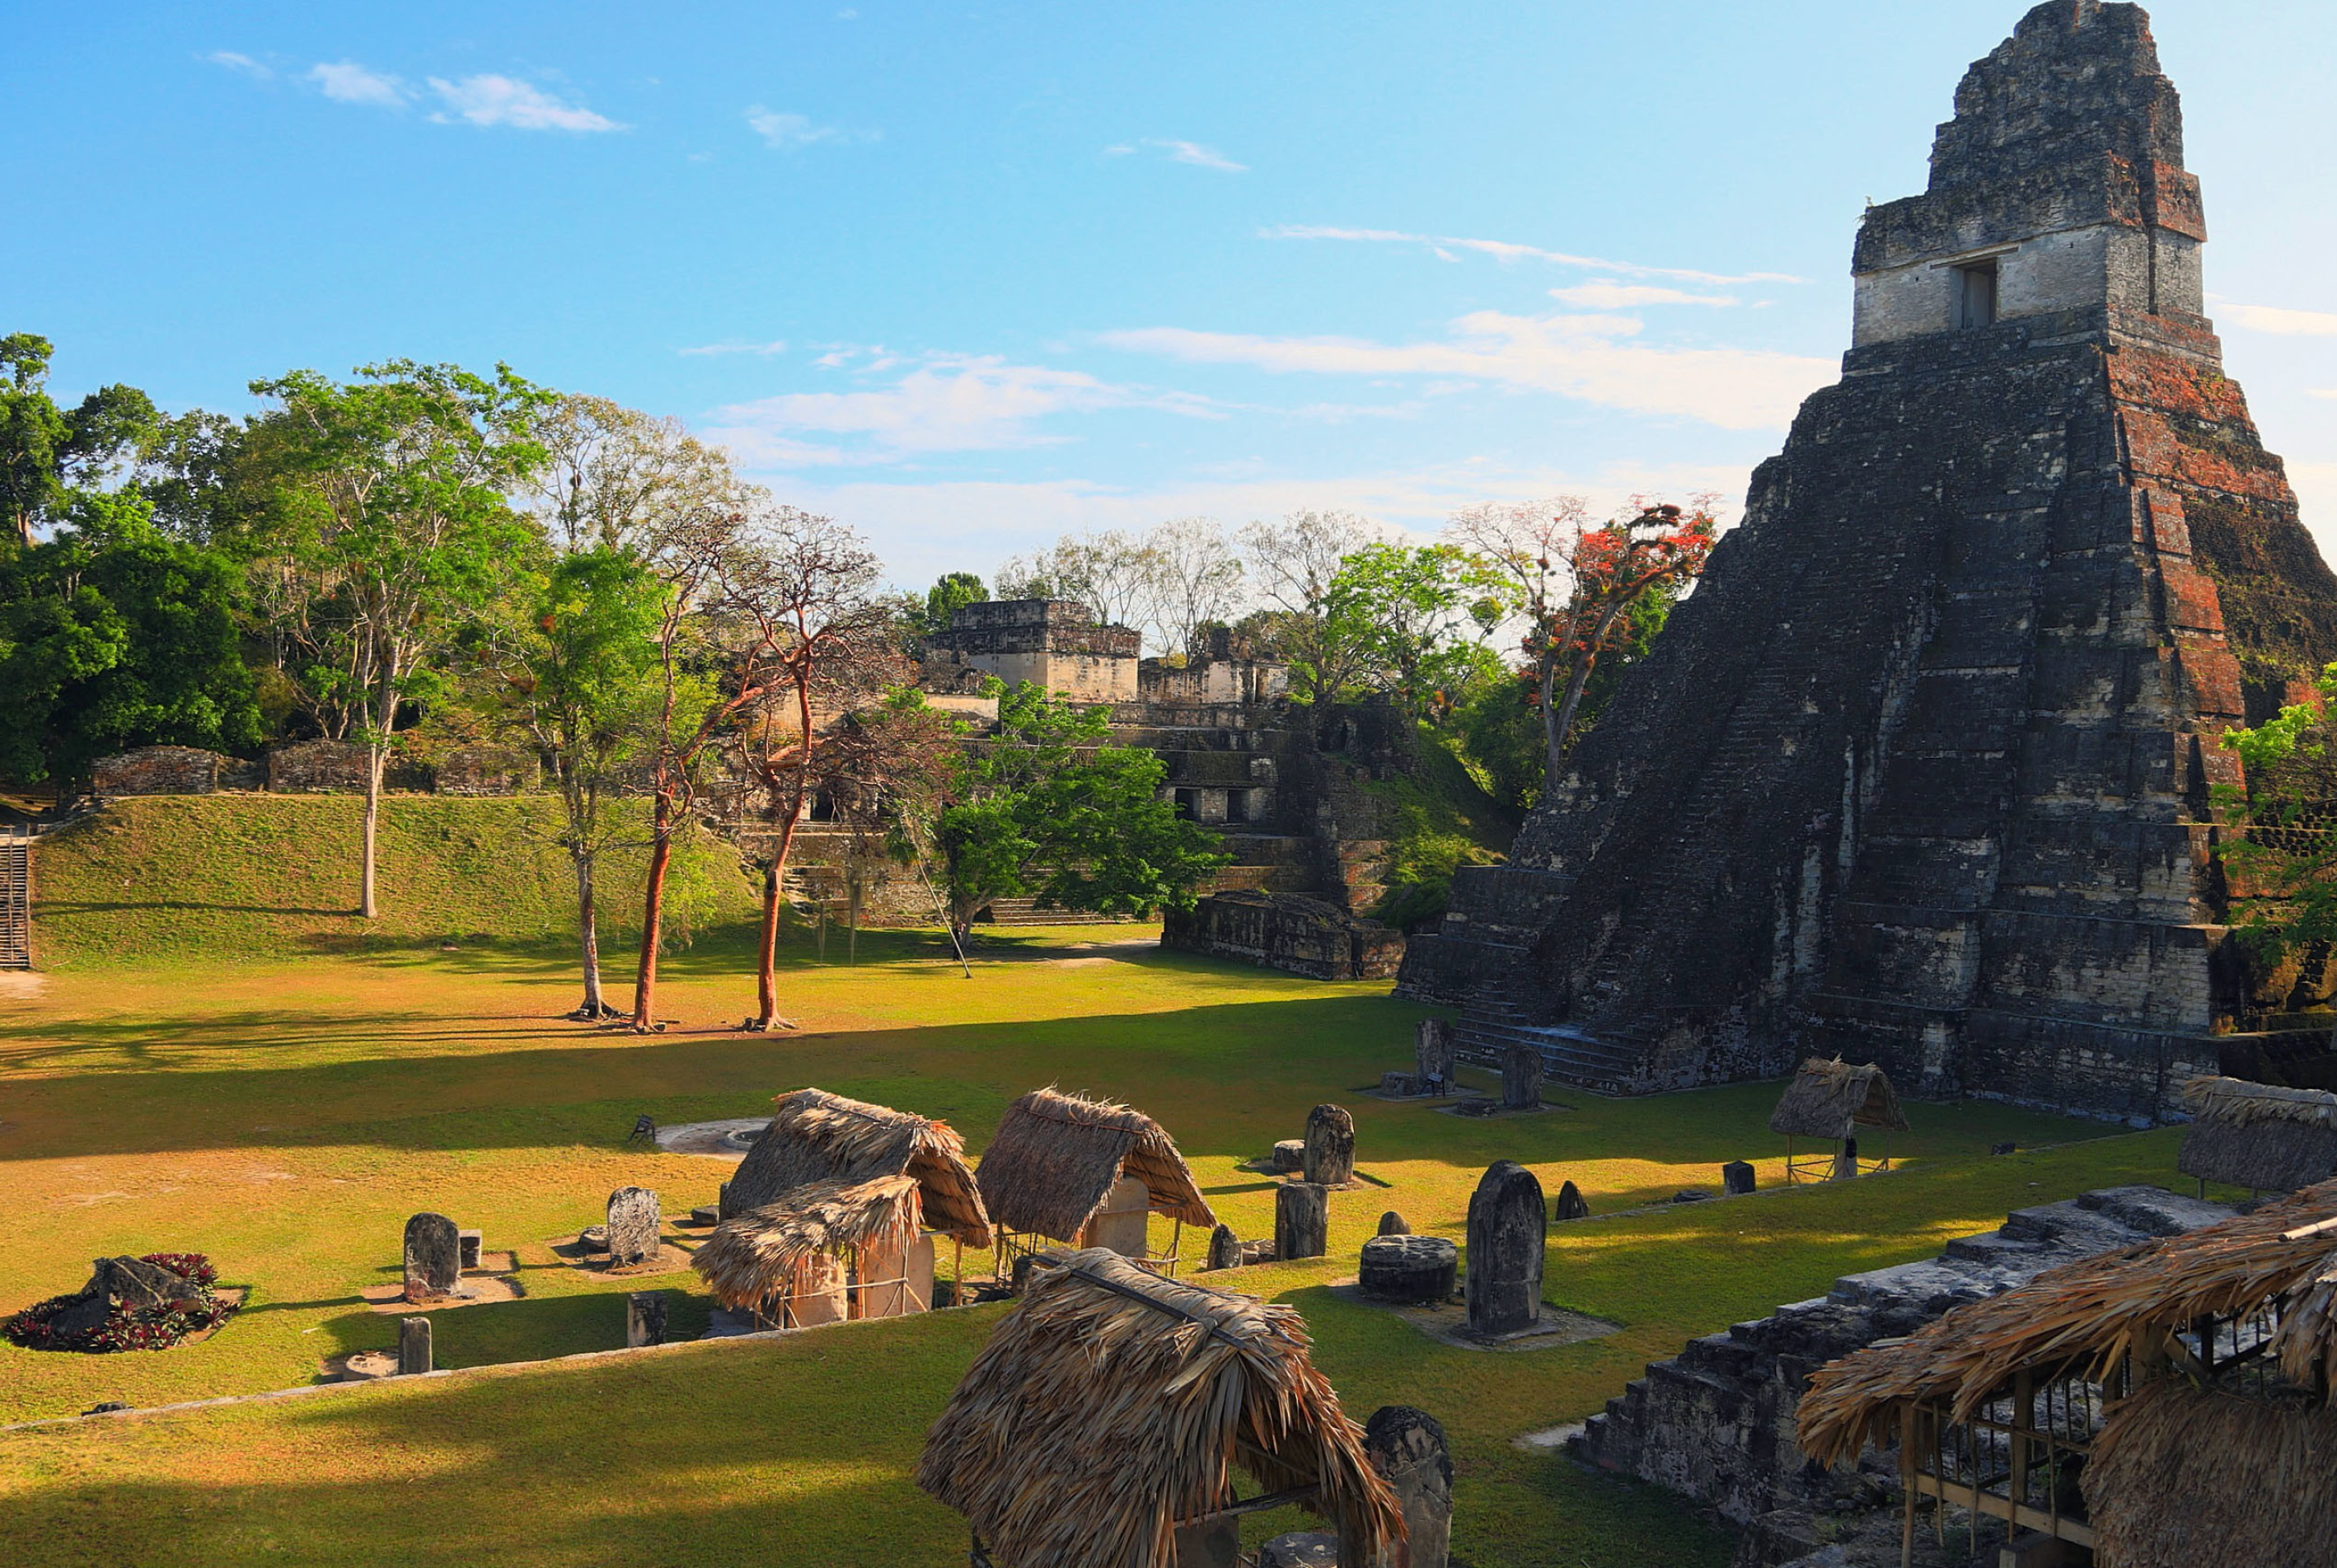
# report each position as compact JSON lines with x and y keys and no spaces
{"x":490,"y":100}
{"x":1605,"y":296}
{"x":235,"y":62}
{"x":786,"y":131}
{"x":1590,"y":357}
{"x":1191,"y":153}
{"x":1506,"y":251}
{"x":775,"y":347}
{"x":349,"y":82}
{"x":949,"y":404}
{"x":2281,"y":322}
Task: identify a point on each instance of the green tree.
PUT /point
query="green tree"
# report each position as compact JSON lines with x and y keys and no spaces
{"x":391,"y":534}
{"x":2280,"y":828}
{"x":1415,"y":618}
{"x":47,"y":453}
{"x":1047,"y":808}
{"x":951,"y":593}
{"x":113,"y":636}
{"x":577,"y":670}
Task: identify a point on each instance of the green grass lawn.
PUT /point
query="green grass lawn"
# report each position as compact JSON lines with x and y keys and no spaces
{"x":285,"y":1114}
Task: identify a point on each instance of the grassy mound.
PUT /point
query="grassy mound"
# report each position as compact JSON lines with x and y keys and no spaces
{"x":230,"y":877}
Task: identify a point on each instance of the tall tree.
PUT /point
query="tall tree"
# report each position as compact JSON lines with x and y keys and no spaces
{"x":577,"y":670}
{"x":951,"y":592}
{"x":1115,"y":574}
{"x":113,"y":636}
{"x":1416,"y":615}
{"x":1622,"y":570}
{"x":804,"y":588}
{"x":1048,"y":807}
{"x":1293,"y":562}
{"x":1200,"y":579}
{"x":48,"y":453}
{"x":395,"y":533}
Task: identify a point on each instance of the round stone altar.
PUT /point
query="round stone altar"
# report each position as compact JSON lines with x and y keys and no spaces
{"x":1409,"y":1268}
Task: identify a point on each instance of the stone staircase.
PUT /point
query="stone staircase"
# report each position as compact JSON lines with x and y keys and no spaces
{"x":1489,"y":1026}
{"x":15,"y":898}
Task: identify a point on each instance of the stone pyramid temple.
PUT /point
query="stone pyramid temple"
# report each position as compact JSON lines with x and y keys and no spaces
{"x":1920,"y":774}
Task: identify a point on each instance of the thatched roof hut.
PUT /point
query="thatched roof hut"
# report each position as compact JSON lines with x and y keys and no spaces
{"x":2096,"y":1313}
{"x":1112,"y":1405}
{"x":817,"y":1137}
{"x":2215,"y":1348}
{"x":832,"y":1178}
{"x":1835,"y":1099}
{"x":1055,"y":1156}
{"x":2258,"y":1135}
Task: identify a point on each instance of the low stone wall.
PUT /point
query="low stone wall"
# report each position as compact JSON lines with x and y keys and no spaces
{"x":317,"y":767}
{"x":1287,"y":931}
{"x":487,"y":770}
{"x":170,"y":769}
{"x":1716,"y":1423}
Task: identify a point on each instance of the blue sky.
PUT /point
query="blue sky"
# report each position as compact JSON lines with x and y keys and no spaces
{"x":970,"y":278}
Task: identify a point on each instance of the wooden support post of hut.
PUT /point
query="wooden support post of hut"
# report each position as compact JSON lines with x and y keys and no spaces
{"x":834,"y":1212}
{"x":2259,"y":1136}
{"x":1112,"y":1408}
{"x":1087,"y":1173}
{"x":1830,"y":1101}
{"x":2182,"y":1385}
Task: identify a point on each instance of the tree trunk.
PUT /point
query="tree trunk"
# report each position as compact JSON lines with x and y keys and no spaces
{"x":653,"y":915}
{"x":1553,"y":737}
{"x":376,"y":755}
{"x":766,"y":985}
{"x":588,"y":934}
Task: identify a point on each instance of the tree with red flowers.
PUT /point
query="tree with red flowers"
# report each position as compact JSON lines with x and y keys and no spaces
{"x":1614,"y":566}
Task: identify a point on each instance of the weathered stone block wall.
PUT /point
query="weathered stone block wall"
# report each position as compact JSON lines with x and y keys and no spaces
{"x":170,"y":769}
{"x":1282,"y":932}
{"x":1717,"y":1422}
{"x":487,"y":771}
{"x":317,"y":767}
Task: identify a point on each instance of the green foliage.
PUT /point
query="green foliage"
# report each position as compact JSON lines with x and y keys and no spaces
{"x":1440,"y":818}
{"x":2280,"y":827}
{"x":953,"y":592}
{"x":1396,"y":618}
{"x":47,"y":453}
{"x":113,"y":636}
{"x":1047,"y":809}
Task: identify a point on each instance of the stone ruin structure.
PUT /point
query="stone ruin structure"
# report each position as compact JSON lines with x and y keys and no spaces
{"x":1716,"y":1423}
{"x":1919,"y":774}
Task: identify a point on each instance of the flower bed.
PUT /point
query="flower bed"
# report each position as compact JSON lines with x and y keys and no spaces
{"x":128,"y":1328}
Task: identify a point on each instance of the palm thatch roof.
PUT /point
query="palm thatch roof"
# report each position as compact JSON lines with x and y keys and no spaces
{"x":775,"y":1250}
{"x":1835,"y":1099}
{"x":2182,"y":1475}
{"x":1054,"y":1158}
{"x":2259,"y":1135}
{"x":1111,"y":1405}
{"x":2092,"y":1314}
{"x":817,"y":1138}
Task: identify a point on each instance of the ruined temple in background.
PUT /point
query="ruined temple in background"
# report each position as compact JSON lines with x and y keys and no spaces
{"x":1920,"y":774}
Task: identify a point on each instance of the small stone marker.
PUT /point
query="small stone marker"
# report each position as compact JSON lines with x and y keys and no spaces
{"x":1289,"y":1154}
{"x":722,"y":1202}
{"x":1431,"y":1051}
{"x":1407,"y":1447}
{"x":1691,"y":1195}
{"x":633,"y":1226}
{"x":705,"y":1214}
{"x":1225,"y":1248}
{"x":1521,"y":1070}
{"x":1416,"y":1268}
{"x":1571,"y":1203}
{"x":1737,"y":1178}
{"x":1300,"y":1549}
{"x":1506,"y":1221}
{"x":1394,"y":1224}
{"x":413,"y":1346}
{"x":1330,"y":1158}
{"x":471,"y":1241}
{"x":1402,"y":1085}
{"x":644,"y":1319}
{"x":593,"y":1239}
{"x":2002,"y":1148}
{"x":1302,"y":1220}
{"x":433,"y":1257}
